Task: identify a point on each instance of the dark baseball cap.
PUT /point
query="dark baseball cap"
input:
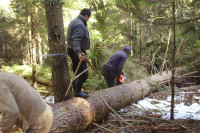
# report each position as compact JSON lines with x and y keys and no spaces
{"x":127,"y":49}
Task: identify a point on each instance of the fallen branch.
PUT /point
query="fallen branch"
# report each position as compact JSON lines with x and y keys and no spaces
{"x":186,"y":128}
{"x":103,"y":128}
{"x":133,"y":121}
{"x":116,"y":119}
{"x":160,"y":128}
{"x":115,"y":112}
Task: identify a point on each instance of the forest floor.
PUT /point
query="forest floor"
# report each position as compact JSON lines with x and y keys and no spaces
{"x":152,"y":115}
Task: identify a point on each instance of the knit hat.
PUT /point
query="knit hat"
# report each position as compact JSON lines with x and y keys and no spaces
{"x":86,"y":11}
{"x":127,"y":49}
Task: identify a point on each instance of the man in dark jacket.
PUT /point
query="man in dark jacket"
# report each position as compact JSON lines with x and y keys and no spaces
{"x":113,"y":68}
{"x":78,"y":42}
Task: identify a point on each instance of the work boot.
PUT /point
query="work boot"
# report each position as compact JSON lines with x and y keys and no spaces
{"x":86,"y":92}
{"x":81,"y":94}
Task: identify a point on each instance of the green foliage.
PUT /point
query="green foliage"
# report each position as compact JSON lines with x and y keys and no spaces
{"x":113,"y":24}
{"x":168,"y":13}
{"x":190,"y":55}
{"x":49,"y":2}
{"x":94,"y":83}
{"x":44,"y":71}
{"x":75,"y":4}
{"x":133,"y":70}
{"x":26,"y":71}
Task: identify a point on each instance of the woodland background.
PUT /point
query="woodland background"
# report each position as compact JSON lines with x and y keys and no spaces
{"x":32,"y":28}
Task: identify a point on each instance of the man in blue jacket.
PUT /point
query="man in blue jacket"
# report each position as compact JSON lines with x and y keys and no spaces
{"x":113,"y":68}
{"x":78,"y":42}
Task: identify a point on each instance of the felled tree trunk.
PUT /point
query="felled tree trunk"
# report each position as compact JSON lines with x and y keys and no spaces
{"x":77,"y":113}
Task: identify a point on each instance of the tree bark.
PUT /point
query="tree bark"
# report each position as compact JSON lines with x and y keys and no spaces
{"x":33,"y":42}
{"x":1,"y":45}
{"x":173,"y":59}
{"x":140,"y":42}
{"x":77,"y":113}
{"x":39,"y":50}
{"x":59,"y":64}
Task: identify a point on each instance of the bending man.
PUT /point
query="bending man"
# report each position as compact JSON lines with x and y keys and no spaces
{"x":22,"y":105}
{"x":113,"y":68}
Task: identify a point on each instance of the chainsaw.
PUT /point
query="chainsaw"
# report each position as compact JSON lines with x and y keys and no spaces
{"x":121,"y":79}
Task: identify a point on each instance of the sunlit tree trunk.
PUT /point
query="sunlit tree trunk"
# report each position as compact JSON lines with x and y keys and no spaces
{"x":25,"y":53}
{"x":59,"y":64}
{"x":29,"y":53}
{"x":39,"y":50}
{"x":1,"y":45}
{"x":136,"y":30}
{"x":33,"y":42}
{"x":22,"y":53}
{"x":140,"y":42}
{"x":13,"y":54}
{"x":132,"y":44}
{"x":5,"y":51}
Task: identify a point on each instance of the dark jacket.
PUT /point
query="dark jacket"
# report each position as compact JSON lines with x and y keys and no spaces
{"x":78,"y":35}
{"x":116,"y":63}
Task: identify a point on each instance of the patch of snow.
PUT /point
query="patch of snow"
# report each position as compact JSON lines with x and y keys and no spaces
{"x":49,"y":99}
{"x":181,"y":111}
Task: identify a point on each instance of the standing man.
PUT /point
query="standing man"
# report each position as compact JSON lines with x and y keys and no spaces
{"x":22,"y":105}
{"x":113,"y":68}
{"x":78,"y":42}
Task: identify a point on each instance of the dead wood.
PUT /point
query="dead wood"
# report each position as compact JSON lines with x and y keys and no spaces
{"x":161,"y":128}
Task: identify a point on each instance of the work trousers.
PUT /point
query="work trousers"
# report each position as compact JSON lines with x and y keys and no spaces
{"x":41,"y":125}
{"x":110,"y":79}
{"x":78,"y":83}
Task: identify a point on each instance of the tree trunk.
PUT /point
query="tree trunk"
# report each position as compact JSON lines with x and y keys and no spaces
{"x":39,"y":50}
{"x":140,"y":42}
{"x":1,"y":45}
{"x":33,"y":42}
{"x":132,"y":45}
{"x":173,"y":59}
{"x":77,"y":113}
{"x":60,"y":69}
{"x":29,"y":35}
{"x":22,"y":53}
